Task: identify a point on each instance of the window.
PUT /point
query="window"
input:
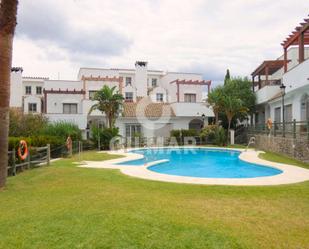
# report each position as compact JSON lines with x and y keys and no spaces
{"x":154,"y":82}
{"x":189,"y":97}
{"x":32,"y":107}
{"x":128,"y":81}
{"x":288,"y":116}
{"x":38,"y":90}
{"x":159,"y":97}
{"x":91,"y":94}
{"x":28,"y":89}
{"x":70,"y":108}
{"x":133,"y":130}
{"x":278,"y":114}
{"x":129,"y":96}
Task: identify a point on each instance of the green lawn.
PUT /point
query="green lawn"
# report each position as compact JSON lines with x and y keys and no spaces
{"x":275,"y":157}
{"x":63,"y":206}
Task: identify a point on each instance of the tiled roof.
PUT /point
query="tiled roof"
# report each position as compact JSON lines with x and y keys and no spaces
{"x":147,"y":109}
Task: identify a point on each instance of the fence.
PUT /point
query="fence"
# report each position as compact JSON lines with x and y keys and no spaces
{"x":37,"y":156}
{"x":294,"y":129}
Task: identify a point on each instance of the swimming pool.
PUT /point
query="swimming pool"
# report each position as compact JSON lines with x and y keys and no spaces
{"x":200,"y":162}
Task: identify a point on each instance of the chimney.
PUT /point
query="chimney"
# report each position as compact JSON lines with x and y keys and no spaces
{"x":141,"y":78}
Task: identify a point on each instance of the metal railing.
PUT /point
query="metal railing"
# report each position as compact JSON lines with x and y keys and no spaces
{"x":294,"y":129}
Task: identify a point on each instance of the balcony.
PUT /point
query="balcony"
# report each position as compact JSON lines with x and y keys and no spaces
{"x":266,"y":93}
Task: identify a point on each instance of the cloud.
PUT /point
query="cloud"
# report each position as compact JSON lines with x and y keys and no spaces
{"x":202,"y":36}
{"x":45,"y":23}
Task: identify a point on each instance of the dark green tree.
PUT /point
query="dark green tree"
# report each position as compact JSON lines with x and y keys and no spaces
{"x":227,"y":77}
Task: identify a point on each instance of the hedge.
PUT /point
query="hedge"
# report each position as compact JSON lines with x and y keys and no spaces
{"x":36,"y":141}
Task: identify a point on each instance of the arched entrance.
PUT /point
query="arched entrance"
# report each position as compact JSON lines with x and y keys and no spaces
{"x":196,"y":124}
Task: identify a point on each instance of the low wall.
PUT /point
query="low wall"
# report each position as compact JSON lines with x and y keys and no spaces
{"x":297,"y":148}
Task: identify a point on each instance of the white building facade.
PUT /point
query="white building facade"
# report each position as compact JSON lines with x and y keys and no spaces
{"x":282,"y":85}
{"x":155,"y":101}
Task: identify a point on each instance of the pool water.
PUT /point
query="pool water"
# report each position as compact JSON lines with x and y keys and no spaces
{"x":201,"y":162}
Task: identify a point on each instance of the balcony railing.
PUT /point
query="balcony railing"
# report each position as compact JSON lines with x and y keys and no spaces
{"x":263,"y":83}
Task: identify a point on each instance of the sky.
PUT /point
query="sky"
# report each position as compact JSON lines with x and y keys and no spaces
{"x":54,"y":38}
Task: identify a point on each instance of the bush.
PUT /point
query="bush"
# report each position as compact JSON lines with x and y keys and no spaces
{"x":62,"y":129}
{"x":208,"y":133}
{"x":180,"y":134}
{"x":105,"y":134}
{"x":25,"y":124}
{"x":220,"y":138}
{"x":214,"y":135}
{"x":36,"y":141}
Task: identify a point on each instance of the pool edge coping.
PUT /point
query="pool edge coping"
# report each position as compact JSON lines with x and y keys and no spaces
{"x":291,"y":174}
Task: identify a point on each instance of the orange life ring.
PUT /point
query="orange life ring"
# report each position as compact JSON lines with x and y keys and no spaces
{"x":22,"y":150}
{"x":68,"y":143}
{"x":269,"y":123}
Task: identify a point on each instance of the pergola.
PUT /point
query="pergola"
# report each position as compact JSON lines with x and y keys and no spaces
{"x":191,"y":82}
{"x":299,"y":37}
{"x":265,"y":69}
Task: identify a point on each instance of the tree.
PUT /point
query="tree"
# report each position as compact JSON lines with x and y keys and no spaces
{"x":215,"y":99}
{"x":241,"y":89}
{"x":8,"y":12}
{"x":109,"y":102}
{"x":227,"y":77}
{"x":232,"y":106}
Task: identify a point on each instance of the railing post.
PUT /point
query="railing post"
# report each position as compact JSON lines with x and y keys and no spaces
{"x":79,"y":150}
{"x":308,"y":129}
{"x":294,"y":128}
{"x":275,"y":128}
{"x":48,"y":155}
{"x":28,"y":160}
{"x":13,"y":162}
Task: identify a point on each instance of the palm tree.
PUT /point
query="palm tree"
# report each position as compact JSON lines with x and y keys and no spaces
{"x":8,"y":11}
{"x":232,"y":106}
{"x":108,"y":101}
{"x":215,"y":100}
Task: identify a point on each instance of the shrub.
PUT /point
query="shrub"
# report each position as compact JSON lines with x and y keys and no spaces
{"x":62,"y":129}
{"x":220,"y":138}
{"x":105,"y":134}
{"x":214,"y":135}
{"x":208,"y":133}
{"x":180,"y":134}
{"x":36,"y":141}
{"x":25,"y":124}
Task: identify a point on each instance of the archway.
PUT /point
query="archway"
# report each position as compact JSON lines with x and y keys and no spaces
{"x":196,"y":124}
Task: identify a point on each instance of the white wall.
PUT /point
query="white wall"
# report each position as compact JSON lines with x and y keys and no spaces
{"x":192,"y":109}
{"x":16,"y":89}
{"x":63,"y":85}
{"x":95,"y":72}
{"x":265,"y":93}
{"x":172,"y":88}
{"x":297,"y":77}
{"x":55,"y":102}
{"x":32,"y":99}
